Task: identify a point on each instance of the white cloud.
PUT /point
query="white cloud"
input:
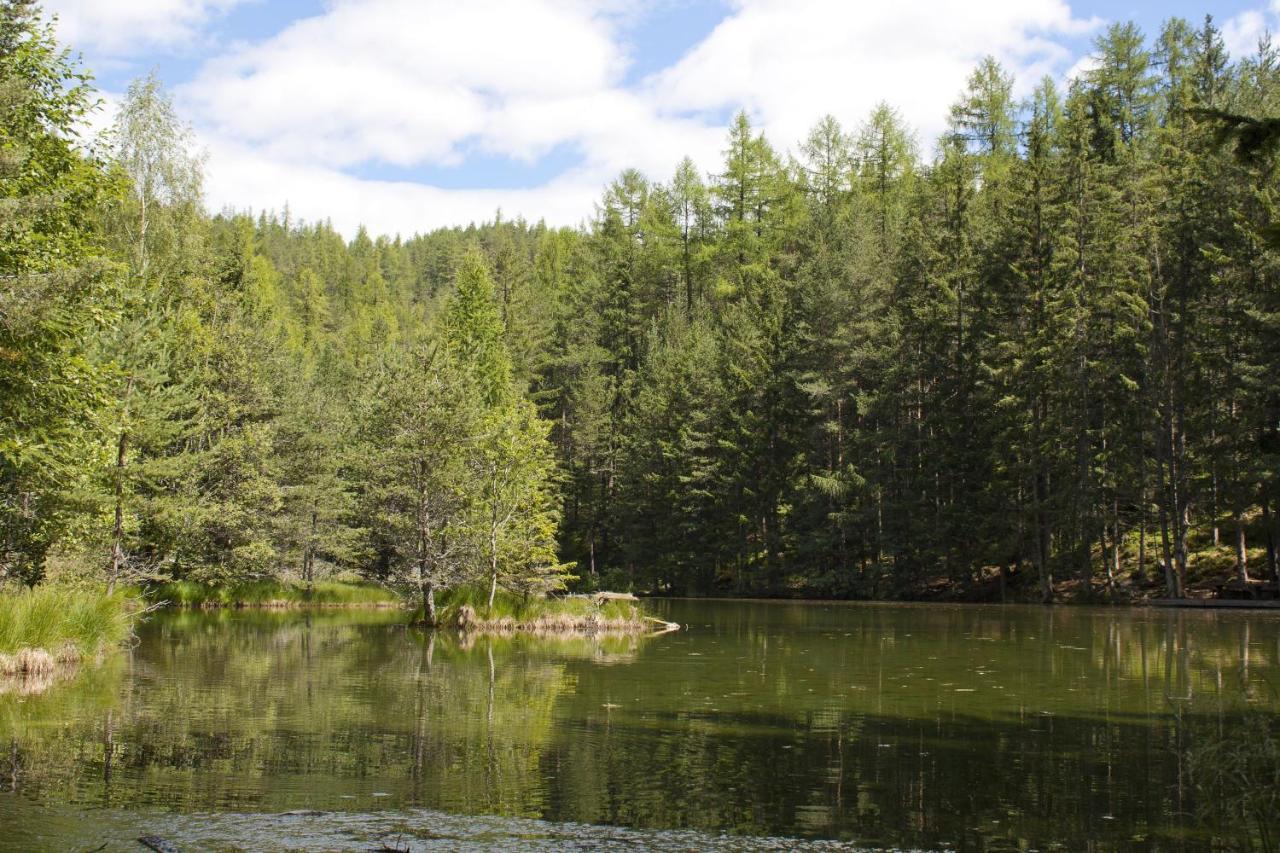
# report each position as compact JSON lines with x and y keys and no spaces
{"x":1242,"y":32}
{"x":514,"y":78}
{"x":240,"y":178}
{"x":405,"y":82}
{"x":1082,"y":66}
{"x":790,"y":61}
{"x":117,"y":27}
{"x":409,"y":83}
{"x":101,"y":119}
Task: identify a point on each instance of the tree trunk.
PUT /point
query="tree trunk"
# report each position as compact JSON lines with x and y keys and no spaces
{"x":429,"y":604}
{"x":1182,"y":501}
{"x":117,"y":535}
{"x":1182,"y":555}
{"x":1041,"y":497}
{"x":1113,"y":571}
{"x":1272,"y":535}
{"x":688,"y":273}
{"x":1086,"y":557}
{"x":1164,"y":482}
{"x":1170,"y":576}
{"x":493,"y":568}
{"x":1142,"y":540}
{"x":1214,"y":510}
{"x":1242,"y":557}
{"x":309,"y":554}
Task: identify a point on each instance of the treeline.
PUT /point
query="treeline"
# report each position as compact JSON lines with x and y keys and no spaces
{"x":1049,"y":355}
{"x":1045,"y":355}
{"x":1050,"y":351}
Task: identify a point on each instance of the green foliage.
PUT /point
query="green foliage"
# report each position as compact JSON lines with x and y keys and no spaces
{"x":53,"y":291}
{"x":418,"y":433}
{"x":1045,"y":354}
{"x":474,"y":329}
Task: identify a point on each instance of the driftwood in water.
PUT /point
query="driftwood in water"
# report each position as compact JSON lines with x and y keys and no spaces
{"x":663,"y":625}
{"x":158,"y":844}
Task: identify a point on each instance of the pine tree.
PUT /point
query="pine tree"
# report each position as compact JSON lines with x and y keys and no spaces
{"x":419,"y":433}
{"x":474,"y":330}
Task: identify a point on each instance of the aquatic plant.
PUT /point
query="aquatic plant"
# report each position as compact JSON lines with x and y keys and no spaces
{"x":272,"y":593}
{"x":44,"y":627}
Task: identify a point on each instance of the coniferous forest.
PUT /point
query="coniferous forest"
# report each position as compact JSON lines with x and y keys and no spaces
{"x":1039,"y":360}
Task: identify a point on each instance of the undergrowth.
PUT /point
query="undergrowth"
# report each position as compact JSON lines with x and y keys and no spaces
{"x":271,"y":594}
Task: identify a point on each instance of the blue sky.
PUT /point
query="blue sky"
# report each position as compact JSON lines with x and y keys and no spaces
{"x":410,"y":114}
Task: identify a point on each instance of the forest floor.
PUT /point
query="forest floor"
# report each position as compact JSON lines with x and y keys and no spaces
{"x":1211,"y":574}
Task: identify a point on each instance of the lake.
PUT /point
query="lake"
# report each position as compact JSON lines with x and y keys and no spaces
{"x":760,"y":725}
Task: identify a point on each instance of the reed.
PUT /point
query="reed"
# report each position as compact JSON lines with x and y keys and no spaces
{"x":277,"y":594}
{"x":48,"y":626}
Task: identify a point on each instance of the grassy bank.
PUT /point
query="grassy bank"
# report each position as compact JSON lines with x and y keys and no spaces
{"x":467,"y":608}
{"x":51,"y":626}
{"x":277,"y":594}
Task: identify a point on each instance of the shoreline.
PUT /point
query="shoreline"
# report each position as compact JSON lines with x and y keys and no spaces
{"x":50,"y":630}
{"x":32,"y":661}
{"x":280,"y":605}
{"x":31,"y":671}
{"x":270,"y":595}
{"x":1135,"y":604}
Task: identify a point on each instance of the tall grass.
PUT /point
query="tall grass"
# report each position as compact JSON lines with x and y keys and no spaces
{"x":64,"y":622}
{"x":517,"y":608}
{"x":271,"y":594}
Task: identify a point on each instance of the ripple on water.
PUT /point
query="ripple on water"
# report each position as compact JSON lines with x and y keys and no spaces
{"x":411,"y":830}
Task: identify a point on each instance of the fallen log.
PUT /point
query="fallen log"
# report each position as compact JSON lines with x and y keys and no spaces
{"x":666,"y":626}
{"x":602,"y":597}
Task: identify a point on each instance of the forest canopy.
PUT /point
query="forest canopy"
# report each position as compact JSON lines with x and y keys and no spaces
{"x":1044,"y":352}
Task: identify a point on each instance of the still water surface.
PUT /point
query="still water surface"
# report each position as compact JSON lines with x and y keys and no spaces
{"x":759,"y":725}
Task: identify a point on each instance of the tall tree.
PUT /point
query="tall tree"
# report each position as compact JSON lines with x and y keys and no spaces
{"x":54,"y":287}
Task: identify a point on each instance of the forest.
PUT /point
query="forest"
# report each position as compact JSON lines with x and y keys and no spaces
{"x":1039,"y":360}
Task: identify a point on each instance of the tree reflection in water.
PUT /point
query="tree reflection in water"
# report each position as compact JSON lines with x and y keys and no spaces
{"x":973,"y":727}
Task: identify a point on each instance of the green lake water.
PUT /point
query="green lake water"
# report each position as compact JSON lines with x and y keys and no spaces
{"x":760,"y":725}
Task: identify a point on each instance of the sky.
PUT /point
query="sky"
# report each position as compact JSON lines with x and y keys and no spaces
{"x":409,"y":115}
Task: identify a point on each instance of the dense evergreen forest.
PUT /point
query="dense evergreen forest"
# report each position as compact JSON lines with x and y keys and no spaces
{"x":1041,"y":359}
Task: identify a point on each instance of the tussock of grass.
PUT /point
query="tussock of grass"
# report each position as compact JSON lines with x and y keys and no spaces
{"x":467,"y":608}
{"x":278,"y":594}
{"x":43,"y":627}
